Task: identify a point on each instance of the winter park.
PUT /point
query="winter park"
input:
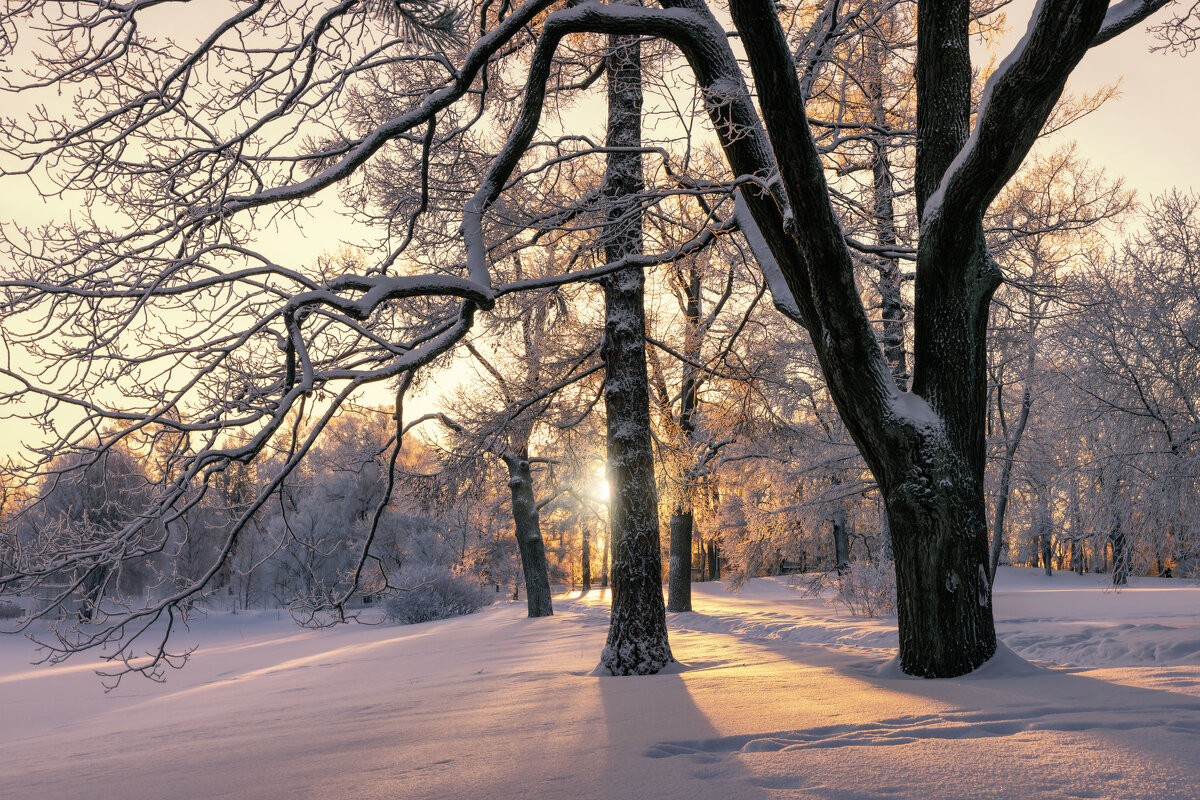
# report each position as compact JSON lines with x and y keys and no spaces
{"x":579,"y":399}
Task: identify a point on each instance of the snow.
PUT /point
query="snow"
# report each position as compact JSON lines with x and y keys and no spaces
{"x":1097,"y":694}
{"x":781,"y":293}
{"x":914,"y":410}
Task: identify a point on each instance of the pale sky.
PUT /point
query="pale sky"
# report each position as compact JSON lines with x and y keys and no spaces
{"x":1149,"y":134}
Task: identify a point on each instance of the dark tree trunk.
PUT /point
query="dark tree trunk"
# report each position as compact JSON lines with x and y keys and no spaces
{"x":1116,"y":534}
{"x":637,"y":634}
{"x":607,"y":559}
{"x":585,"y":578}
{"x":1042,"y":534}
{"x":679,"y":583}
{"x":841,"y":542}
{"x":1120,"y":555}
{"x":714,"y":560}
{"x":944,"y":608}
{"x":889,"y":283}
{"x":527,"y":524}
{"x":1006,"y":471}
{"x":91,"y":591}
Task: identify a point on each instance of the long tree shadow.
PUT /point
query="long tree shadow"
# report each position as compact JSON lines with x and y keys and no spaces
{"x":1145,"y":738}
{"x":638,"y":713}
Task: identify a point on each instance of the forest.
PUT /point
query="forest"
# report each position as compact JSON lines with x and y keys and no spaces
{"x":341,"y":299}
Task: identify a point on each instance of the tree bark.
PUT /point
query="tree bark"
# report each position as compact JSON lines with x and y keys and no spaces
{"x":1005,"y":489}
{"x":841,"y":542}
{"x":714,"y":560}
{"x":90,"y":595}
{"x":527,"y":525}
{"x":637,"y":634}
{"x":1116,"y":534}
{"x":1120,"y":554}
{"x":605,"y":563}
{"x":585,"y":578}
{"x":679,"y":582}
{"x":1044,"y":535}
{"x":944,"y":608}
{"x":884,"y":213}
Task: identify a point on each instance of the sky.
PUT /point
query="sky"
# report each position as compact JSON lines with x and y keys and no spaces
{"x":1147,"y":135}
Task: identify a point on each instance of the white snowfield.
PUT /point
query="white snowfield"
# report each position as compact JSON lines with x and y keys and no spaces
{"x":778,"y":696}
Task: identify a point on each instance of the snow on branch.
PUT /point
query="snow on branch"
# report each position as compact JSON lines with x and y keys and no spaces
{"x":1124,"y":15}
{"x":781,"y":293}
{"x":1017,"y":101}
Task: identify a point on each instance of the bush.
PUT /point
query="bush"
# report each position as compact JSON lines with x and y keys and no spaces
{"x":434,"y":594}
{"x":10,"y":610}
{"x":868,"y":589}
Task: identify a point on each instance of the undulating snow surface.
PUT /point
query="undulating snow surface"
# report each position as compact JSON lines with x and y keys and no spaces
{"x":778,"y":695}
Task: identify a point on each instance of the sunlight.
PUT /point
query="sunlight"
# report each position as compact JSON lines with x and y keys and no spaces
{"x":599,"y":489}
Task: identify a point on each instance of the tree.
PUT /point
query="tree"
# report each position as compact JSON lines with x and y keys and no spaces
{"x":699,"y":399}
{"x":1044,"y":224}
{"x":1135,"y":344}
{"x":925,"y":447}
{"x":196,"y":165}
{"x":637,"y":635}
{"x":82,"y":503}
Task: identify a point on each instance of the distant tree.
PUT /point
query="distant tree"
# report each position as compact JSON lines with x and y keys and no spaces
{"x":1134,"y":346}
{"x":82,"y":503}
{"x":1046,"y":223}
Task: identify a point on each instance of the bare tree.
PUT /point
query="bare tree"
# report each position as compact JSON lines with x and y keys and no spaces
{"x":198,"y":146}
{"x":1135,"y":343}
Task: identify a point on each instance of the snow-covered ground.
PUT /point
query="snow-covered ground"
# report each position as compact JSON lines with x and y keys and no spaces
{"x":780,"y":696}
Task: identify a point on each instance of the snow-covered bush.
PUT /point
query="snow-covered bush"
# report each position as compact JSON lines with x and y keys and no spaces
{"x":434,"y":593}
{"x":867,"y":588}
{"x":10,"y":610}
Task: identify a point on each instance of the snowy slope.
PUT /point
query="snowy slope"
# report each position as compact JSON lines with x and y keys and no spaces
{"x":781,"y":696}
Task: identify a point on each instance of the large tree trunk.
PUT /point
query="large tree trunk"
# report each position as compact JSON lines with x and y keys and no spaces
{"x":637,"y":634}
{"x":679,"y":581}
{"x":527,"y":523}
{"x":933,"y":484}
{"x":944,"y":611}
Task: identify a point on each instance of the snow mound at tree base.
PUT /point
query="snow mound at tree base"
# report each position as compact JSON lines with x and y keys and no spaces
{"x":1004,"y":664}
